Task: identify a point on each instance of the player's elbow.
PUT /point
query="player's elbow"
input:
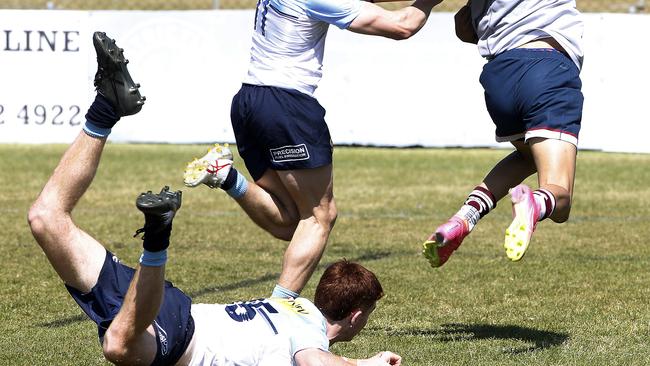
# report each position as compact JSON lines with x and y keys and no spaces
{"x":406,"y":30}
{"x":402,"y":34}
{"x":409,"y":24}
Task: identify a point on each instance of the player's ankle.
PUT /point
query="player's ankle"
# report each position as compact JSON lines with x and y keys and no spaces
{"x":283,"y":292}
{"x":235,"y":184}
{"x":156,"y":236}
{"x":153,"y":259}
{"x":101,"y":118}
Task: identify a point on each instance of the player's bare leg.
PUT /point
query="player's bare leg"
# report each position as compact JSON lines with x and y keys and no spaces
{"x":556,"y":166}
{"x":266,"y":201}
{"x":270,"y":205}
{"x":129,"y":339}
{"x":507,"y":173}
{"x":311,"y":190}
{"x":510,"y":171}
{"x":294,"y":205}
{"x":75,"y":255}
{"x":555,"y":161}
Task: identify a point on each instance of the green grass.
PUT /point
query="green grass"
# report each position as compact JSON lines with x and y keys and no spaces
{"x":579,"y":297}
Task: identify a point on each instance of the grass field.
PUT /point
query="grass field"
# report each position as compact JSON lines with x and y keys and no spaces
{"x":579,"y":297}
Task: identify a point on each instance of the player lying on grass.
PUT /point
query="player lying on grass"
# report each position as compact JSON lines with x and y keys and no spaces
{"x":143,"y":319}
{"x":532,"y":92}
{"x":280,"y":128}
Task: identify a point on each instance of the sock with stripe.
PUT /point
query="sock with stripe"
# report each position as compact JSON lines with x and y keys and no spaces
{"x":284,"y":293}
{"x":235,"y":183}
{"x":101,"y":118}
{"x":478,"y":204}
{"x":546,"y":201}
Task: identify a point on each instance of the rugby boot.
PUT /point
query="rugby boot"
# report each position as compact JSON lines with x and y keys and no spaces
{"x":159,"y":210}
{"x":211,"y":169}
{"x":441,"y":244}
{"x":525,"y":213}
{"x":113,"y":80}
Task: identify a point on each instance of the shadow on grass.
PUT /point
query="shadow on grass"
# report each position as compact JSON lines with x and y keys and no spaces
{"x":65,"y":321}
{"x":370,"y":256}
{"x":538,"y":339}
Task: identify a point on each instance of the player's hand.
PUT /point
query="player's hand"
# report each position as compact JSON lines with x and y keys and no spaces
{"x":385,"y":358}
{"x":464,"y":28}
{"x":391,"y":358}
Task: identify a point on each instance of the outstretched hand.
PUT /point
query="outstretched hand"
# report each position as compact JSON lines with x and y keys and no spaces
{"x":385,"y":358}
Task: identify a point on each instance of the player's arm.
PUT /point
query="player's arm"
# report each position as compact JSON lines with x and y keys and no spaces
{"x":395,"y":24}
{"x":318,"y":357}
{"x":463,"y":24}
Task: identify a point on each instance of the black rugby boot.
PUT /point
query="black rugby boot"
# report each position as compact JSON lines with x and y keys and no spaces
{"x":113,"y":80}
{"x":159,"y":210}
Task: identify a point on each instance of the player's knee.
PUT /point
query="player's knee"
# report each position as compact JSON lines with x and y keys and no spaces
{"x":333,"y":214}
{"x":116,"y":350}
{"x":283,"y":232}
{"x":39,"y":219}
{"x":113,"y":349}
{"x":326,"y":215}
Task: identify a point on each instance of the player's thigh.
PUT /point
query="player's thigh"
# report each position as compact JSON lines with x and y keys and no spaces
{"x":311,"y":189}
{"x":75,"y":256}
{"x":271,"y":183}
{"x":523,"y":148}
{"x":555,"y":161}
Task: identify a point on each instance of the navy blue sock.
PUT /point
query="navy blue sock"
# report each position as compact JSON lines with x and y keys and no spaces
{"x":157,"y":230}
{"x":231,"y":179}
{"x":101,"y":113}
{"x":155,"y":242}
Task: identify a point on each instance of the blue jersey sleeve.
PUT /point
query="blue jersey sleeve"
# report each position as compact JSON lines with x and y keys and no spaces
{"x":314,"y":330}
{"x":338,"y":12}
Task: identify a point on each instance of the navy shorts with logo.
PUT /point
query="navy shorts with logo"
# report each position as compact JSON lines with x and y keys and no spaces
{"x":174,"y":325}
{"x":533,"y":93}
{"x":280,"y":129}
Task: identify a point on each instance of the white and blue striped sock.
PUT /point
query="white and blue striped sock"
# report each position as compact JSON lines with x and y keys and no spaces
{"x":239,"y":188}
{"x":284,"y":293}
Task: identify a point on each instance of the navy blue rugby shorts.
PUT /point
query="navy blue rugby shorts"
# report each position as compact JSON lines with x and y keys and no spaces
{"x":279,"y":129}
{"x":174,"y":325}
{"x":533,"y":93}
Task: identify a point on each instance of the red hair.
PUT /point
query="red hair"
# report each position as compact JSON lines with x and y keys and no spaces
{"x":346,"y":286}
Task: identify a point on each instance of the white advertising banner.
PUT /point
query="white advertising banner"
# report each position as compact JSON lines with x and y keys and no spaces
{"x":422,"y":91}
{"x":43,"y":75}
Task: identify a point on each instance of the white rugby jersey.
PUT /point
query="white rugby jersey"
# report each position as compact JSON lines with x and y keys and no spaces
{"x":289,"y":40}
{"x":502,"y":25}
{"x":265,"y":332}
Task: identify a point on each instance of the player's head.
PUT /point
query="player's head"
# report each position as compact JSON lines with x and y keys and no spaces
{"x":347,"y":292}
